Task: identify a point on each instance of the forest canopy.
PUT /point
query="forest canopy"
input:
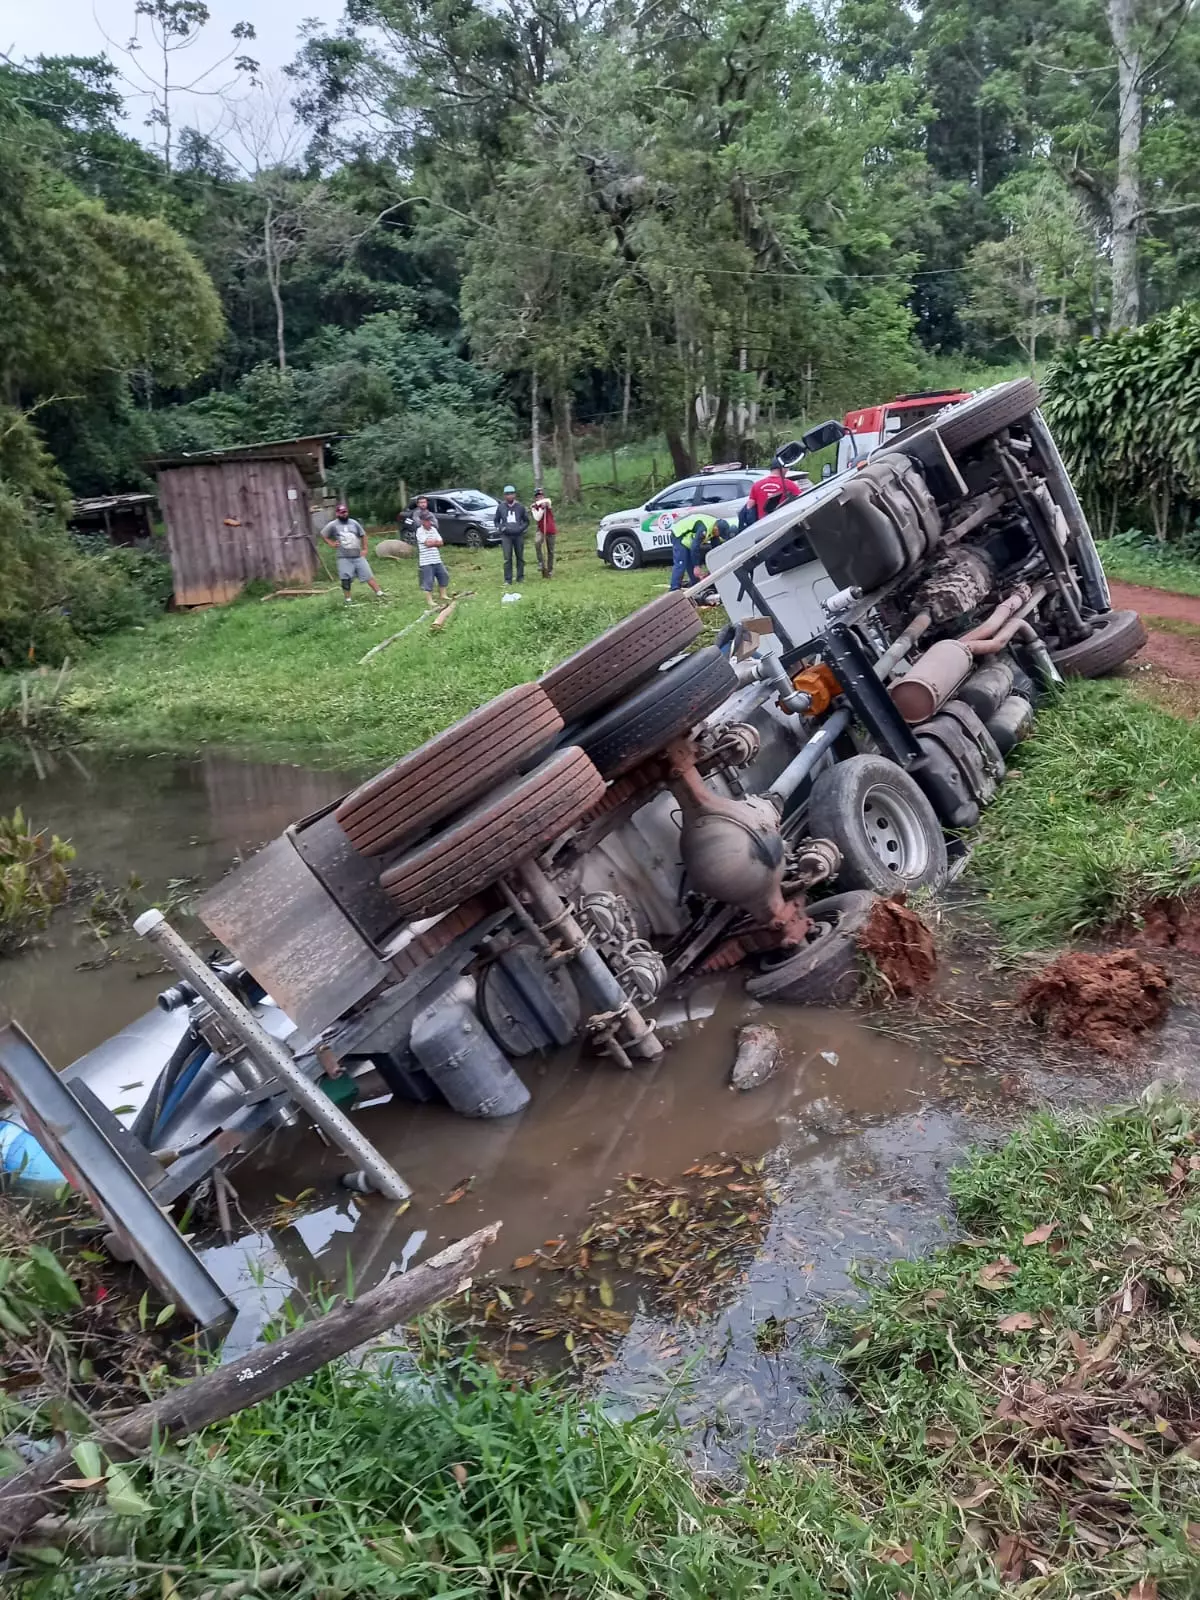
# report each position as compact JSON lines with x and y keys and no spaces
{"x":451,"y":225}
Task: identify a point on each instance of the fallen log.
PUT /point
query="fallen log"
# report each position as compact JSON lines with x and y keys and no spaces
{"x":392,"y":637}
{"x":446,"y":612}
{"x":287,"y":594}
{"x":34,"y":1492}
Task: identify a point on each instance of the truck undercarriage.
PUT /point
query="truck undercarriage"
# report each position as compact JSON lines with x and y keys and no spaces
{"x":653,"y":808}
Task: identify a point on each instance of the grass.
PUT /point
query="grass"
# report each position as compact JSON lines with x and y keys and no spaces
{"x":1133,"y":558}
{"x":1022,"y":1408}
{"x":1100,"y":814}
{"x":282,"y":679}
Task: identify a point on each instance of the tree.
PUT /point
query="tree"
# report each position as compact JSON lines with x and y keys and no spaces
{"x":170,"y":28}
{"x":88,"y":290}
{"x":1023,"y":283}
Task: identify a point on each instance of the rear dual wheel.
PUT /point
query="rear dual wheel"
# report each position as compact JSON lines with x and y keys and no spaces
{"x":519,"y":819}
{"x":449,"y":771}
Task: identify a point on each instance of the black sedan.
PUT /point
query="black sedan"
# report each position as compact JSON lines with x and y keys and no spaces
{"x":465,"y":516}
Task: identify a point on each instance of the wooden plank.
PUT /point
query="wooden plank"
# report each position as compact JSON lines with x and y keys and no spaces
{"x":223,"y":1391}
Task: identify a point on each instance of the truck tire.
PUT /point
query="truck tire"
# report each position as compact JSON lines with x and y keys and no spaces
{"x":826,"y":969}
{"x":1118,"y":635}
{"x":498,"y":834}
{"x":887,"y":831}
{"x":663,"y":709}
{"x":973,"y":420}
{"x":623,"y":657}
{"x":449,"y":771}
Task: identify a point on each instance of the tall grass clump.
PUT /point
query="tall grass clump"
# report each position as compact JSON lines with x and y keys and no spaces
{"x":1021,"y":1407}
{"x":1100,"y":814}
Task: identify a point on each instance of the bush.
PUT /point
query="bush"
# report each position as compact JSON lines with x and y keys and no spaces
{"x":1123,"y":409}
{"x":57,"y":592}
{"x":424,"y":448}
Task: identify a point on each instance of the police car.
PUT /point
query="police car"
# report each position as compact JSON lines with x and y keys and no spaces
{"x":629,"y":539}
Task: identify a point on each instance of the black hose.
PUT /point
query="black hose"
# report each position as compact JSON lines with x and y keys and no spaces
{"x":147,"y":1118}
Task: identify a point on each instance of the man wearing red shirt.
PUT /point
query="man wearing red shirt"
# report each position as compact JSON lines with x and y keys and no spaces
{"x":769,"y":493}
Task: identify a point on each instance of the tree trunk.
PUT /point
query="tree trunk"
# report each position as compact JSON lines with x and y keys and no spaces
{"x":220,"y":1392}
{"x":274,"y":266}
{"x":683,"y":463}
{"x":535,"y":428}
{"x":1126,"y":201}
{"x":568,"y":468}
{"x":625,"y":404}
{"x":719,"y":439}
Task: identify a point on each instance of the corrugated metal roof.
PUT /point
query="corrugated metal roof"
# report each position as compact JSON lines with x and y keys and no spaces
{"x":307,"y":451}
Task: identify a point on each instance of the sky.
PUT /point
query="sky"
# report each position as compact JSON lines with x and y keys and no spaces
{"x":79,"y":27}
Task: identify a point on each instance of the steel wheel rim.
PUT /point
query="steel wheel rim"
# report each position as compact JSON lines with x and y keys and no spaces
{"x":623,"y":555}
{"x":894,"y":832}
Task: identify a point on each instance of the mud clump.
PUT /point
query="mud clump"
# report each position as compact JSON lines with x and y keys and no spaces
{"x":1103,"y":1000}
{"x":1169,"y":924}
{"x":900,"y":947}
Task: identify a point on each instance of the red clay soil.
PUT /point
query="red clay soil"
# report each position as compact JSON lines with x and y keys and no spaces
{"x":1104,"y":1001}
{"x":1173,"y":654}
{"x":1155,"y":602}
{"x":900,"y":945}
{"x":1168,"y":924}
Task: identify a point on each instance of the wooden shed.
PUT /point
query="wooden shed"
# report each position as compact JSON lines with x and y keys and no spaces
{"x":235,"y":515}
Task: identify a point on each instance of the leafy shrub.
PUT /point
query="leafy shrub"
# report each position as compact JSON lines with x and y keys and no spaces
{"x":1124,"y":410}
{"x":431,"y":449}
{"x":33,"y":877}
{"x":57,"y":592}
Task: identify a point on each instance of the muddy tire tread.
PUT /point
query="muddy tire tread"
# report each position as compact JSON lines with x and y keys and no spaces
{"x":661,"y":710}
{"x":623,"y":657}
{"x":450,"y":770}
{"x":825,"y":973}
{"x":494,"y":836}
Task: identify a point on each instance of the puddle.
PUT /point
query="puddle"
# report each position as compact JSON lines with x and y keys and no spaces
{"x":164,"y":820}
{"x":857,"y":1129}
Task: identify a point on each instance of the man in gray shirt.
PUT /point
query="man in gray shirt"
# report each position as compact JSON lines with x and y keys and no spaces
{"x":349,"y":538}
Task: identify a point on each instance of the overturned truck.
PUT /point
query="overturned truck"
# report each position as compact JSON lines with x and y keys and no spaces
{"x":652,"y":808}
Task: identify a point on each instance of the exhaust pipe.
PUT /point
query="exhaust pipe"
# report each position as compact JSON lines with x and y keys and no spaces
{"x":932,"y":680}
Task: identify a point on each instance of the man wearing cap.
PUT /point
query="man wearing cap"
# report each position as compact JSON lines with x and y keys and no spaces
{"x":512,"y":519}
{"x":349,"y":538}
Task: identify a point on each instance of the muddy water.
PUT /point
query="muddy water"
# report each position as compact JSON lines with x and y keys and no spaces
{"x":857,"y":1128}
{"x":858,"y":1131}
{"x":165,"y":821}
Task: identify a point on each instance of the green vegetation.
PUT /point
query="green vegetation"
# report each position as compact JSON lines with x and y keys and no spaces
{"x":1133,"y":558}
{"x":1021,"y":1406}
{"x":282,"y":677}
{"x":1100,"y":814}
{"x":1123,"y":412}
{"x":33,"y":877}
{"x":549,"y":214}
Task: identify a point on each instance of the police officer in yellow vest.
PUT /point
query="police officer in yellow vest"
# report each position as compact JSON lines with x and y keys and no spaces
{"x":693,"y":535}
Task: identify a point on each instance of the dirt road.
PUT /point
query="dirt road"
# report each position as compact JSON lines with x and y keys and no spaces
{"x":1172,"y":650}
